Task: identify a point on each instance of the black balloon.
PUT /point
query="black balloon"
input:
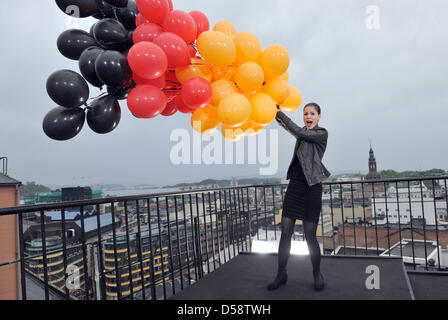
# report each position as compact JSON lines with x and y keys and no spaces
{"x":79,"y":8}
{"x":104,"y":114}
{"x":110,"y":34}
{"x":128,"y":45}
{"x":119,"y":93}
{"x":63,"y":124}
{"x":113,"y":69}
{"x":118,"y":3}
{"x":91,"y":30}
{"x":127,"y":15}
{"x":71,"y":43}
{"x":87,"y":65}
{"x":67,"y":88}
{"x":106,"y":11}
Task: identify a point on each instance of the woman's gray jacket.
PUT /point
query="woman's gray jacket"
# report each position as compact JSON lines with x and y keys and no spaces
{"x":310,"y":148}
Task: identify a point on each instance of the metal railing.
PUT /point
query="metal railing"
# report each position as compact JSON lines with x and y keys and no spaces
{"x":4,"y":161}
{"x":153,"y":246}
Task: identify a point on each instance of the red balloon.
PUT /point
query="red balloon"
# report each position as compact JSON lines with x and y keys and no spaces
{"x":170,"y":109}
{"x":154,"y":10}
{"x":201,"y":20}
{"x":171,"y":80}
{"x":181,"y":106}
{"x":170,"y":3}
{"x":182,"y":24}
{"x":170,"y":94}
{"x":146,"y":32}
{"x":140,"y":19}
{"x":159,"y":82}
{"x":175,"y":49}
{"x":197,"y":93}
{"x":146,"y":101}
{"x":192,"y":50}
{"x":171,"y":77}
{"x":147,"y":60}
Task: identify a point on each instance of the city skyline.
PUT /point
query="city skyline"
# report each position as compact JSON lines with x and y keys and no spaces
{"x":381,"y":85}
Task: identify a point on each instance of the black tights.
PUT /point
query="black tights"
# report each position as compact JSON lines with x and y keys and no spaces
{"x":285,"y":244}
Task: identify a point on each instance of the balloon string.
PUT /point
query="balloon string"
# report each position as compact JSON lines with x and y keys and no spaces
{"x":104,"y":93}
{"x":171,"y":89}
{"x":172,"y":82}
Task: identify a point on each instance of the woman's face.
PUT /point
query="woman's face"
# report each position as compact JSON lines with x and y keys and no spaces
{"x":310,"y":117}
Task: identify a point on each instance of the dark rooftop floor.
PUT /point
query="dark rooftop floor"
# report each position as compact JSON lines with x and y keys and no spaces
{"x":246,"y":276}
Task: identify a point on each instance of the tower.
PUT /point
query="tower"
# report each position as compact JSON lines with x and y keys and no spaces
{"x":373,"y":173}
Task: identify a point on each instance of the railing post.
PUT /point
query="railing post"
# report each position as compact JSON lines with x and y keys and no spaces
{"x":249,"y":215}
{"x":197,"y":238}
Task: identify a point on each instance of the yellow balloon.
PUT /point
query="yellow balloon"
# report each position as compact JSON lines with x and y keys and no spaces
{"x":293,"y":101}
{"x":275,"y":60}
{"x":248,"y":94}
{"x":216,"y":47}
{"x":205,"y":120}
{"x":234,"y":110}
{"x":224,"y":73}
{"x":278,"y":89}
{"x":225,"y":27}
{"x":220,"y":89}
{"x":248,"y":127}
{"x":263,"y":109}
{"x":197,"y":69}
{"x":285,"y":76}
{"x":249,"y":77}
{"x":232,"y":134}
{"x":254,"y":129}
{"x":248,"y":47}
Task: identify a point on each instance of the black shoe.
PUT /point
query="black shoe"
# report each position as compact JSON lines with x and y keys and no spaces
{"x":280,"y":280}
{"x":319,"y":283}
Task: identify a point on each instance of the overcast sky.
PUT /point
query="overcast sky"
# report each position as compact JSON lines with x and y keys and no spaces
{"x":388,"y":85}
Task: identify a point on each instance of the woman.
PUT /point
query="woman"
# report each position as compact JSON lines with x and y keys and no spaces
{"x":303,"y":199}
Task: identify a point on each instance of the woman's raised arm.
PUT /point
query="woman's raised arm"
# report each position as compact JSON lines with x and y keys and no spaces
{"x":318,"y":135}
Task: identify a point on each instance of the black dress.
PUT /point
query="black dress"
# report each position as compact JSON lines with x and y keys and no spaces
{"x":302,"y":201}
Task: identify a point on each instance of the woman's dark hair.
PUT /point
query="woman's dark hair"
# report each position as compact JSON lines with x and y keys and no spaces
{"x":314,"y":105}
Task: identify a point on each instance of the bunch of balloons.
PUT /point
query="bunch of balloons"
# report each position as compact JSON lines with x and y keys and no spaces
{"x":102,"y":58}
{"x":164,"y":61}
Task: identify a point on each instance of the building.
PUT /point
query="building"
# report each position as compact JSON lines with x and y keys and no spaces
{"x":373,"y":173}
{"x":389,"y":210}
{"x":58,"y":270}
{"x":66,"y":194}
{"x":372,"y":189}
{"x":418,"y":252}
{"x":153,"y":261}
{"x":9,"y":238}
{"x":55,"y":263}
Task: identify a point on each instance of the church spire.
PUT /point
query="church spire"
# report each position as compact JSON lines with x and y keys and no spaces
{"x":373,"y":173}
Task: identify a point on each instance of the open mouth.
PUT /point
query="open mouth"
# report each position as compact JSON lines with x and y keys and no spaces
{"x":309,"y":122}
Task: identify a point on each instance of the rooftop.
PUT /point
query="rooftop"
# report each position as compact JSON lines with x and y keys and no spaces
{"x":246,"y":276}
{"x":6,"y":180}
